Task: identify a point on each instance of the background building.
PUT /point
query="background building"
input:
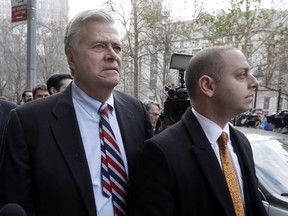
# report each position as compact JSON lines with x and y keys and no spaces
{"x":51,"y":18}
{"x":261,"y":34}
{"x":47,"y":10}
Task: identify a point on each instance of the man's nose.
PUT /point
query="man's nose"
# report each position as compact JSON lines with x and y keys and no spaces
{"x":253,"y":81}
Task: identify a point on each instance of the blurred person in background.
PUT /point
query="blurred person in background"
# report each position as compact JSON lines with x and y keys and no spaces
{"x":40,"y":91}
{"x":253,"y":118}
{"x":58,"y":82}
{"x":153,"y":108}
{"x":27,"y":96}
{"x":2,"y":97}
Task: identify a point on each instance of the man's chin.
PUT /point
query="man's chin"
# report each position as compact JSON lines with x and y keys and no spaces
{"x":112,"y":83}
{"x":244,"y":109}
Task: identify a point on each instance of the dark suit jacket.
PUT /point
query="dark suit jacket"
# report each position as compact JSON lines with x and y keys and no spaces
{"x":179,"y":174}
{"x":5,"y":108}
{"x":43,"y":164}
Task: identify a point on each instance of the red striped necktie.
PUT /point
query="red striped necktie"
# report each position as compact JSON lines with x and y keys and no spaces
{"x":114,"y":177}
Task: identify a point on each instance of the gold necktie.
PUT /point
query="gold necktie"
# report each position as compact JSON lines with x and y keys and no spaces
{"x":230,"y":175}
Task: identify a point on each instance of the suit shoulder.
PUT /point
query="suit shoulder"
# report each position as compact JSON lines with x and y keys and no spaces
{"x":119,"y":95}
{"x":40,"y":105}
{"x":6,"y":105}
{"x":238,"y":136}
{"x":127,"y":100}
{"x":173,"y":133}
{"x":238,"y":133}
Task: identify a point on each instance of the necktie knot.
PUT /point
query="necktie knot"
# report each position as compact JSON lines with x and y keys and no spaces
{"x":222,"y":141}
{"x":104,"y":109}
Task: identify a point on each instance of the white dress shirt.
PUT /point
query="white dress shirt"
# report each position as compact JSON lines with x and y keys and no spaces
{"x":88,"y":120}
{"x":213,"y":132}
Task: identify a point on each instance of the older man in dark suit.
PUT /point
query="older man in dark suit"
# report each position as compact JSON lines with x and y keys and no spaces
{"x":69,"y":153}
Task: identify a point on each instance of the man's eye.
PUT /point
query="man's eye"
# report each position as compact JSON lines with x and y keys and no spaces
{"x":117,"y":49}
{"x":99,"y":46}
{"x":242,"y":76}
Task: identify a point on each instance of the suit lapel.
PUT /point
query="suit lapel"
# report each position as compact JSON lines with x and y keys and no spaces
{"x":68,"y":138}
{"x":248,"y":174}
{"x":207,"y":160}
{"x":126,"y":121}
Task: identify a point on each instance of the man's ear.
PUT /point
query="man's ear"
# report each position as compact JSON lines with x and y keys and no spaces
{"x":53,"y":90}
{"x":207,"y":85}
{"x":70,"y":59}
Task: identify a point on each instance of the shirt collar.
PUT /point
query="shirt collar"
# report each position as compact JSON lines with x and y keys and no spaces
{"x":88,"y":103}
{"x":211,"y":129}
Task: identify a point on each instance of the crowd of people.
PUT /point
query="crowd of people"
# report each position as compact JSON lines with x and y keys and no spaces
{"x":91,"y":150}
{"x":54,"y":84}
{"x":256,"y":118}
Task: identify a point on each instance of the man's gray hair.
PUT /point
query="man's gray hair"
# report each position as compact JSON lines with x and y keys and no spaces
{"x":148,"y":104}
{"x":72,"y":32}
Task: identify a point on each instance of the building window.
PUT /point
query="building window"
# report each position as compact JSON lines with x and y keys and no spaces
{"x":266,"y":102}
{"x":280,"y":103}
